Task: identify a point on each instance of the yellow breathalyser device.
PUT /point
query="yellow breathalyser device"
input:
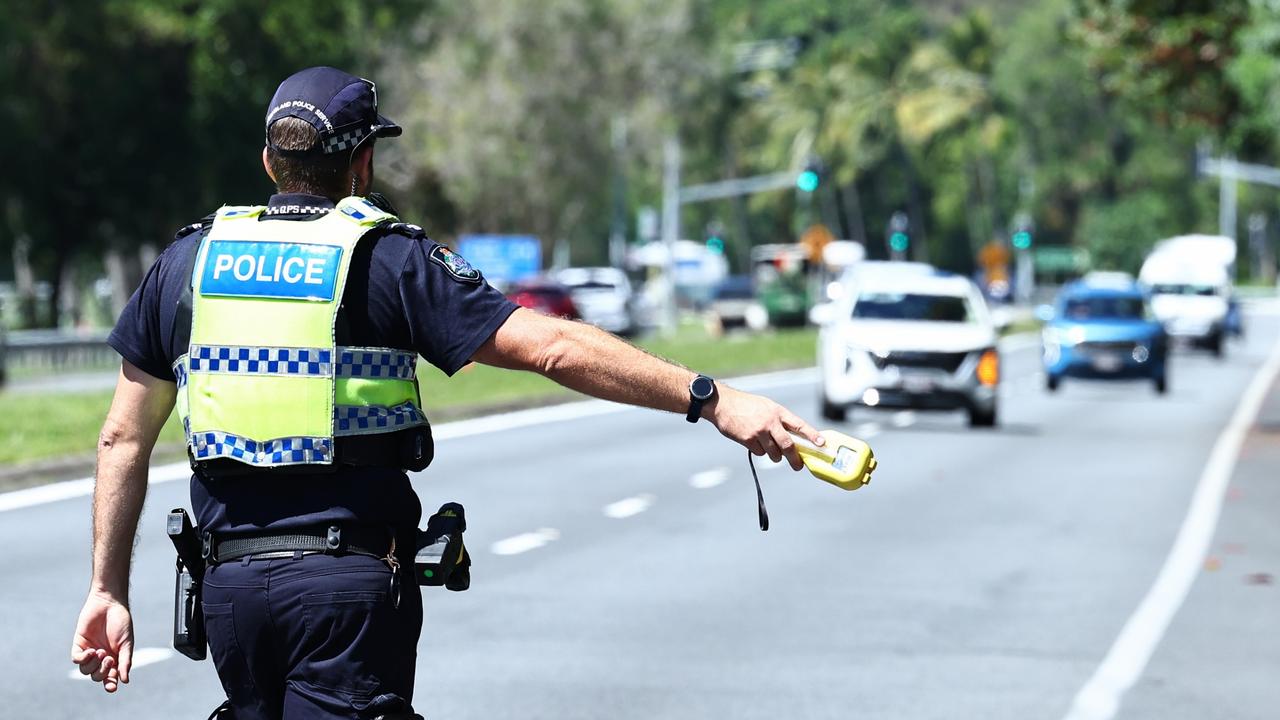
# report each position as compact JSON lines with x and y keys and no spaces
{"x":843,"y":461}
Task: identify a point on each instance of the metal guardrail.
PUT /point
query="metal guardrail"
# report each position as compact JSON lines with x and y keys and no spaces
{"x":54,"y":350}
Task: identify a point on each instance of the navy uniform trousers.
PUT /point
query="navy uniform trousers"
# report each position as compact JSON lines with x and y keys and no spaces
{"x":313,"y":637}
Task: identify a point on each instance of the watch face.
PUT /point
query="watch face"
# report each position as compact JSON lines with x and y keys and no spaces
{"x":702,"y":387}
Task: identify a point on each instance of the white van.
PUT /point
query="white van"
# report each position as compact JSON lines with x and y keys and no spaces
{"x":1191,"y":288}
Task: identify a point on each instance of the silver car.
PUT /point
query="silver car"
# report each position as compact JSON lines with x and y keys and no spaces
{"x":602,"y":295}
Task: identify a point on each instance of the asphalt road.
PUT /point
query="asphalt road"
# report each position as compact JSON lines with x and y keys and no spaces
{"x":619,"y":572}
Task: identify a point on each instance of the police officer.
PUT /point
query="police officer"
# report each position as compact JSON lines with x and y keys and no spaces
{"x":286,"y":336}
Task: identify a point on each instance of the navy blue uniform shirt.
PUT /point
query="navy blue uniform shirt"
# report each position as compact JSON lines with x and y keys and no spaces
{"x":396,"y":296}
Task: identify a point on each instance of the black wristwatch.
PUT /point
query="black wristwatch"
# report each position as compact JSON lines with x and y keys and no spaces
{"x":701,"y":389}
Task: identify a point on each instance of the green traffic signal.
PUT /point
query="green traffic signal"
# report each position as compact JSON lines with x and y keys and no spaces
{"x":807,"y":181}
{"x":1021,"y":240}
{"x":899,"y":242}
{"x":715,"y":244}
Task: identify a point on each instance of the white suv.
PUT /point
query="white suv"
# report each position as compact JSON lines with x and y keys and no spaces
{"x":905,"y":335}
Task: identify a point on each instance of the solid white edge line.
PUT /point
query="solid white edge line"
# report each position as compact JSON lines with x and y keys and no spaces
{"x":1125,"y":662}
{"x":628,"y":507}
{"x":68,"y":489}
{"x":81,"y":487}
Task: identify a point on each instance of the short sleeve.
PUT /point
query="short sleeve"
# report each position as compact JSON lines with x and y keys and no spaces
{"x":141,"y":333}
{"x":451,"y":310}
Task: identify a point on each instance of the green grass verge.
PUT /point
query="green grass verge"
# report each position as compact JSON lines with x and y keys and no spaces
{"x":48,"y":426}
{"x":45,"y":427}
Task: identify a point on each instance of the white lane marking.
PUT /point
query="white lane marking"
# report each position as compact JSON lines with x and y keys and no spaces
{"x":903,"y":418}
{"x":68,"y":489}
{"x":525,"y":542}
{"x":627,"y":507}
{"x":141,"y":657}
{"x":1019,"y":342}
{"x":709,"y":478}
{"x":54,"y":492}
{"x":866,"y":430}
{"x":1100,"y":697}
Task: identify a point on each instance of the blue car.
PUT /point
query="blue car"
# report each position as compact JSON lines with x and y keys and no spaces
{"x":1104,"y":331}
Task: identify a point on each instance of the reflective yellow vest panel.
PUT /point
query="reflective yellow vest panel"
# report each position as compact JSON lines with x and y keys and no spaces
{"x":263,"y":381}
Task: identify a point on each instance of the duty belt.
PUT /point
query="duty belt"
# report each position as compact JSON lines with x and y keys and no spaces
{"x":333,"y":540}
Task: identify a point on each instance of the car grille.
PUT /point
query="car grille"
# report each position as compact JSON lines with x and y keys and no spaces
{"x":1122,"y":347}
{"x":948,"y":361}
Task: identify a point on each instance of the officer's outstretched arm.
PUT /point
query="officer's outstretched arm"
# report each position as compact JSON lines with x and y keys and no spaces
{"x":103,"y":644}
{"x":591,"y":361}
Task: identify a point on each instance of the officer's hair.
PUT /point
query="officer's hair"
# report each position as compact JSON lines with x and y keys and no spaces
{"x":324,"y":175}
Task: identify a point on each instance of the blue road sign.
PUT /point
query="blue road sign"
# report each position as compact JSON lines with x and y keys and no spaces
{"x":505,"y":258}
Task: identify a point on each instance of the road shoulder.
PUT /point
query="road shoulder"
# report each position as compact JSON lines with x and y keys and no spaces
{"x":1221,"y":653}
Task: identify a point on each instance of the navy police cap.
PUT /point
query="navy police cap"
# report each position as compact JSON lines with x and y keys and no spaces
{"x":341,"y":107}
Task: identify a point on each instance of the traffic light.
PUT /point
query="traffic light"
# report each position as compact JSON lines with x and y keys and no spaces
{"x":1023,"y":228}
{"x":898,"y":235}
{"x":715,"y":237}
{"x":811,"y":177}
{"x":808,"y":181}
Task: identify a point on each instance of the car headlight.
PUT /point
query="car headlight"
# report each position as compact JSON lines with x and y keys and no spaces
{"x":1141,"y":353}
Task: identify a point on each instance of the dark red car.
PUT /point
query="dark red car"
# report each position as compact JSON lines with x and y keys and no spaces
{"x":544,"y":296}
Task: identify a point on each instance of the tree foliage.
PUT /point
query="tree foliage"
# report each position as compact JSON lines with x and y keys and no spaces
{"x":129,"y":118}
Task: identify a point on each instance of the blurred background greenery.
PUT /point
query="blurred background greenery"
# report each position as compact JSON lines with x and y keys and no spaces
{"x":126,"y":119}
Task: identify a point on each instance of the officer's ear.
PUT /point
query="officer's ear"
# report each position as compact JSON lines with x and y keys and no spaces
{"x":266,"y":165}
{"x":362,"y":160}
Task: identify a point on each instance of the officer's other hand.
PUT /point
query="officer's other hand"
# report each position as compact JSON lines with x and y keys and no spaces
{"x":761,"y":425}
{"x":103,"y":645}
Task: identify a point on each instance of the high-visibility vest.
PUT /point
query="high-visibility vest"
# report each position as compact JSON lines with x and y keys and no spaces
{"x":263,"y":381}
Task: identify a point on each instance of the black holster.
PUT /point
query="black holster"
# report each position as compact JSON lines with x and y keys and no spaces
{"x":188,"y":614}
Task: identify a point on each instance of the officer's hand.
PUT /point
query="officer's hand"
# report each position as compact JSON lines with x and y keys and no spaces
{"x":103,"y":645}
{"x":760,"y":424}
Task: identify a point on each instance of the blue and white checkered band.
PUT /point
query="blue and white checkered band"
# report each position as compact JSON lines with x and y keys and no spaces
{"x":358,"y":420}
{"x":381,"y":363}
{"x":376,"y":363}
{"x":343,"y":141}
{"x":268,"y":453}
{"x":316,"y":362}
{"x":180,"y":371}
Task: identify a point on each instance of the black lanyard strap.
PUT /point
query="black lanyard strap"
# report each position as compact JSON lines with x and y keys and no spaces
{"x":764,"y":514}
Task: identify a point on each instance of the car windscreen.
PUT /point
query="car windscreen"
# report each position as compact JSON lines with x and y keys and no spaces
{"x":1116,"y":307}
{"x":1182,"y":289}
{"x":734,"y":290}
{"x":911,"y":306}
{"x":592,"y":285}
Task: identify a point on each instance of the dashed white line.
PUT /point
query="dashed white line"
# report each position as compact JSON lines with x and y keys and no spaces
{"x":903,"y":418}
{"x":141,"y":657}
{"x":1125,"y":662}
{"x":709,"y":478}
{"x":866,"y":430}
{"x":627,"y":507}
{"x":525,"y":542}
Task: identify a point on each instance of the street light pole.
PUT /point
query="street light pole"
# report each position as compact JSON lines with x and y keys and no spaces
{"x":674,"y":196}
{"x":670,"y":227}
